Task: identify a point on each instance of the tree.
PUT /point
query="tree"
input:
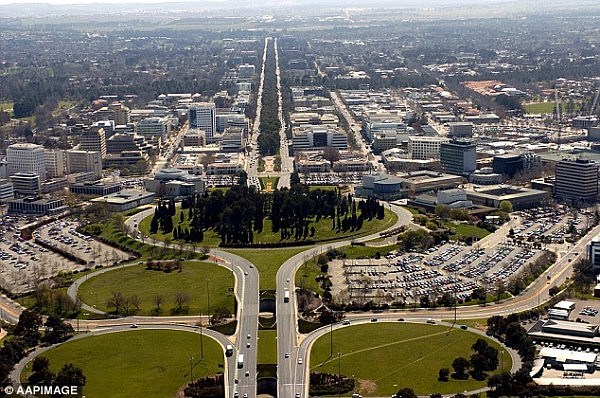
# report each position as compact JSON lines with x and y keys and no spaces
{"x":443,"y":374}
{"x":181,"y":299}
{"x":28,"y":327}
{"x":157,"y":300}
{"x":442,"y":211}
{"x":460,"y":365}
{"x":553,"y":291}
{"x":41,"y":373}
{"x":505,"y":206}
{"x":406,"y":393}
{"x":116,"y":301}
{"x":70,"y":375}
{"x":57,"y":331}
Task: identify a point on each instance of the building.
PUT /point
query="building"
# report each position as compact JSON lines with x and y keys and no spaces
{"x":318,"y":137}
{"x":6,"y":190}
{"x":519,"y":197}
{"x":561,"y":359}
{"x":232,"y":140}
{"x":154,"y":127}
{"x":225,"y":164}
{"x":119,"y":143}
{"x":26,"y":184}
{"x":460,"y":129}
{"x":576,"y":180}
{"x":96,"y":188}
{"x":36,"y":205}
{"x":55,"y":163}
{"x":126,"y":199}
{"x":593,"y":250}
{"x":485,"y":176}
{"x":381,"y":186}
{"x":194,"y":137}
{"x":93,"y":140}
{"x":120,"y":113}
{"x":423,"y":147}
{"x":453,"y":198}
{"x":202,"y":115}
{"x":458,"y":157}
{"x":508,"y":164}
{"x":26,"y":158}
{"x":173,"y":183}
{"x":425,"y":181}
{"x":83,"y":162}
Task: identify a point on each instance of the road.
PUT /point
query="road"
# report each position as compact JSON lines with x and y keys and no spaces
{"x":291,"y":376}
{"x":287,"y":161}
{"x":164,"y":160}
{"x":15,"y":374}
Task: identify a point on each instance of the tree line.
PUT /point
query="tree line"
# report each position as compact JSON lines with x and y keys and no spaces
{"x":268,"y":140}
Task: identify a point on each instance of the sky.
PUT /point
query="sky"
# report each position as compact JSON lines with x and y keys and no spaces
{"x":63,"y":2}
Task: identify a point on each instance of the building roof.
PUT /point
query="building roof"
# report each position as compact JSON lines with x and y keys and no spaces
{"x":565,"y":305}
{"x":568,"y":355}
{"x":570,"y":327}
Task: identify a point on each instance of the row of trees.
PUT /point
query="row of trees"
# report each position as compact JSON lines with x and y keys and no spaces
{"x":125,"y":305}
{"x":68,"y":375}
{"x":268,"y":140}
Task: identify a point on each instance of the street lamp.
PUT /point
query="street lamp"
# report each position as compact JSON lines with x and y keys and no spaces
{"x":191,"y":369}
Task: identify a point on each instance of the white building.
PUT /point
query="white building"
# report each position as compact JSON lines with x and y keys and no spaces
{"x":55,"y":163}
{"x":26,"y":184}
{"x":318,"y":137}
{"x":84,"y":161}
{"x":232,"y":140}
{"x":6,"y":190}
{"x":26,"y":158}
{"x":154,"y":127}
{"x":422,"y":147}
{"x":202,"y":115}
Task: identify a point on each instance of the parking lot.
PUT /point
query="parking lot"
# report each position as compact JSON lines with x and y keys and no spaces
{"x":331,"y":178}
{"x":63,"y":235}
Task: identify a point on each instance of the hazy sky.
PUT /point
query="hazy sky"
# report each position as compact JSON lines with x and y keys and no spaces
{"x":5,"y":2}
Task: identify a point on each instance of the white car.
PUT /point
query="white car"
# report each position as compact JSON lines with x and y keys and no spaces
{"x":299,"y":361}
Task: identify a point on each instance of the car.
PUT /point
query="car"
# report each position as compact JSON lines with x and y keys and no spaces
{"x":246,"y":273}
{"x":245,"y":395}
{"x":248,"y":345}
{"x":431,"y":321}
{"x":236,"y":394}
{"x":463,"y":327}
{"x":297,"y":395}
{"x":133,"y":326}
{"x":346,"y":322}
{"x":400,"y":319}
{"x":248,"y":336}
{"x":247,"y":373}
{"x":287,"y":355}
{"x":235,"y":381}
{"x":299,"y":361}
{"x":373,"y":319}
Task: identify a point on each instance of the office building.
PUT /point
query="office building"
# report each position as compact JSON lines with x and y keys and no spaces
{"x":83,"y":162}
{"x":120,"y":113}
{"x":93,"y":140}
{"x":576,"y":180}
{"x":318,"y":137}
{"x":6,"y":190}
{"x":202,"y":115}
{"x":154,"y":127}
{"x":519,"y":197}
{"x":422,"y":147}
{"x":173,"y":183}
{"x":593,"y":250}
{"x":96,"y":188}
{"x":125,"y":199}
{"x":36,"y":205}
{"x":507,"y":164}
{"x":458,"y":157}
{"x":460,"y":129}
{"x":55,"y":163}
{"x":232,"y":140}
{"x":26,"y":158}
{"x":25,"y":184}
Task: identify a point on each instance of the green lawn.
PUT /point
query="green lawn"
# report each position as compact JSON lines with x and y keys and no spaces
{"x":417,"y":352}
{"x":193,"y":280}
{"x":323,"y":230}
{"x":267,"y":346}
{"x":267,"y":261}
{"x":466,"y":230}
{"x":269,"y":182}
{"x":140,"y":363}
{"x":540,"y":107}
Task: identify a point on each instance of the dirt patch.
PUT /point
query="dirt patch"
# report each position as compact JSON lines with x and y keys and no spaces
{"x":366,"y":386}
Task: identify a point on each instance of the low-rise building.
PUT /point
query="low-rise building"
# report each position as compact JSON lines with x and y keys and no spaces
{"x":36,"y":205}
{"x":26,"y":184}
{"x":6,"y":190}
{"x":174,"y":183}
{"x":519,"y":197}
{"x":96,"y":188}
{"x":126,"y":199}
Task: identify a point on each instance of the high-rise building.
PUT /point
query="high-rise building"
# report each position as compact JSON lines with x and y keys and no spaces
{"x":423,"y":148}
{"x":26,"y":158}
{"x":121,"y":113}
{"x":94,"y":140}
{"x":458,"y":157}
{"x":55,"y":163}
{"x":83,"y":162}
{"x":202,"y":115}
{"x":576,"y":180}
{"x":460,"y":129}
{"x":507,"y":164}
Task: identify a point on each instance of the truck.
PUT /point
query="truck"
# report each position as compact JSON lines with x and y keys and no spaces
{"x":286,"y":296}
{"x":240,"y":363}
{"x":229,"y":350}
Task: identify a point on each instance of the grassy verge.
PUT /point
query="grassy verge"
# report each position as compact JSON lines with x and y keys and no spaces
{"x":267,"y":262}
{"x":466,"y":230}
{"x":267,"y":346}
{"x":141,"y":363}
{"x":417,"y":351}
